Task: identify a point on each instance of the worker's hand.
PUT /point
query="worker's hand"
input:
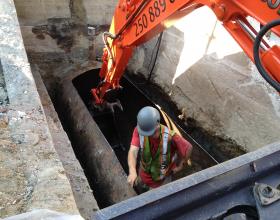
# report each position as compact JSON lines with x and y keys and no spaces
{"x":131,"y":178}
{"x":178,"y":168}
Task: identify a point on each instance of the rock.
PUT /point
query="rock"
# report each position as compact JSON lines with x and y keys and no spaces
{"x":4,"y":120}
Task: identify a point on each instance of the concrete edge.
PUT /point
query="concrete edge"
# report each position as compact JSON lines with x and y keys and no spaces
{"x":186,"y":182}
{"x":46,"y":182}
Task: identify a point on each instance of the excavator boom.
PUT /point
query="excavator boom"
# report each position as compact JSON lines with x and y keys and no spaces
{"x":137,"y":21}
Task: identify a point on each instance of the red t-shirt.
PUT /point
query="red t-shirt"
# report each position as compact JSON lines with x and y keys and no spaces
{"x":178,"y":145}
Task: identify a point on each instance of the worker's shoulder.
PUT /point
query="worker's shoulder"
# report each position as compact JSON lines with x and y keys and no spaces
{"x":135,"y":131}
{"x":177,"y":138}
{"x":168,"y":130}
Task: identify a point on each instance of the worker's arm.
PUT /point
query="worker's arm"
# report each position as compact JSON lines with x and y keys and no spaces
{"x":184,"y":148}
{"x":132,"y":160}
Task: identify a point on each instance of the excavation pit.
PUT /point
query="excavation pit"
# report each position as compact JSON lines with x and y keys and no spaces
{"x":37,"y":145}
{"x":101,"y":140}
{"x":118,"y":127}
{"x":101,"y":143}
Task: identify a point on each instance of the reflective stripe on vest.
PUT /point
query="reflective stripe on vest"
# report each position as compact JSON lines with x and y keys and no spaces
{"x":164,"y":164}
{"x":141,"y":141}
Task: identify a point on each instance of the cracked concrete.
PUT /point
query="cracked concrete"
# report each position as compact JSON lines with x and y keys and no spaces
{"x":82,"y":192}
{"x":32,"y":175}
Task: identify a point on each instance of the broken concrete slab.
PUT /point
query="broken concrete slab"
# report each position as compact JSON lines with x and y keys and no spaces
{"x":82,"y":192}
{"x":32,"y":175}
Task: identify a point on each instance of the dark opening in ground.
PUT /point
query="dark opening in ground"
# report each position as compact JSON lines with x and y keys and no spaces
{"x":118,"y":127}
{"x":219,"y":148}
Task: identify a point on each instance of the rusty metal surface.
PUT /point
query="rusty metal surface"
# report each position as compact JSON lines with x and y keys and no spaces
{"x":265,"y":194}
{"x":83,"y":196}
{"x":102,"y":168}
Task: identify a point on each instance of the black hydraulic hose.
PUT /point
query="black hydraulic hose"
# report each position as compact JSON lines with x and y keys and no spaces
{"x":257,"y":59}
{"x":155,"y":59}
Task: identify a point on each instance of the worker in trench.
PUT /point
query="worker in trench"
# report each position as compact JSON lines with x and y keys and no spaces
{"x":161,"y":152}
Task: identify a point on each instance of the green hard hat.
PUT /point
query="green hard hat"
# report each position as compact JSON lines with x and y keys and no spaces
{"x":148,"y":119}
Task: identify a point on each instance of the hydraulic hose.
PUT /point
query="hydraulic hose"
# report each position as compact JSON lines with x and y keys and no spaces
{"x":257,"y":59}
{"x":155,"y":59}
{"x":104,"y":37}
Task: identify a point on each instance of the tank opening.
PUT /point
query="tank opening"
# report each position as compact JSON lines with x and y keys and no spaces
{"x":108,"y":188}
{"x":219,"y":148}
{"x":118,"y":128}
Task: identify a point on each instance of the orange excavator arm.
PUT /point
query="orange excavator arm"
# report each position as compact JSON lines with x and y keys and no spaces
{"x":137,"y":21}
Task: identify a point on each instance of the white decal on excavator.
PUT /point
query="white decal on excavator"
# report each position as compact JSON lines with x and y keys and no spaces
{"x":148,"y":17}
{"x":273,"y":4}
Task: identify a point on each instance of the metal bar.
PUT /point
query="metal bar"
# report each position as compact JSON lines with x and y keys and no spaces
{"x":206,"y":194}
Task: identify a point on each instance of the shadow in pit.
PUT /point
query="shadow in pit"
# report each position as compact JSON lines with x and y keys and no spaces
{"x":205,"y":94}
{"x":118,"y":128}
{"x":218,"y":98}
